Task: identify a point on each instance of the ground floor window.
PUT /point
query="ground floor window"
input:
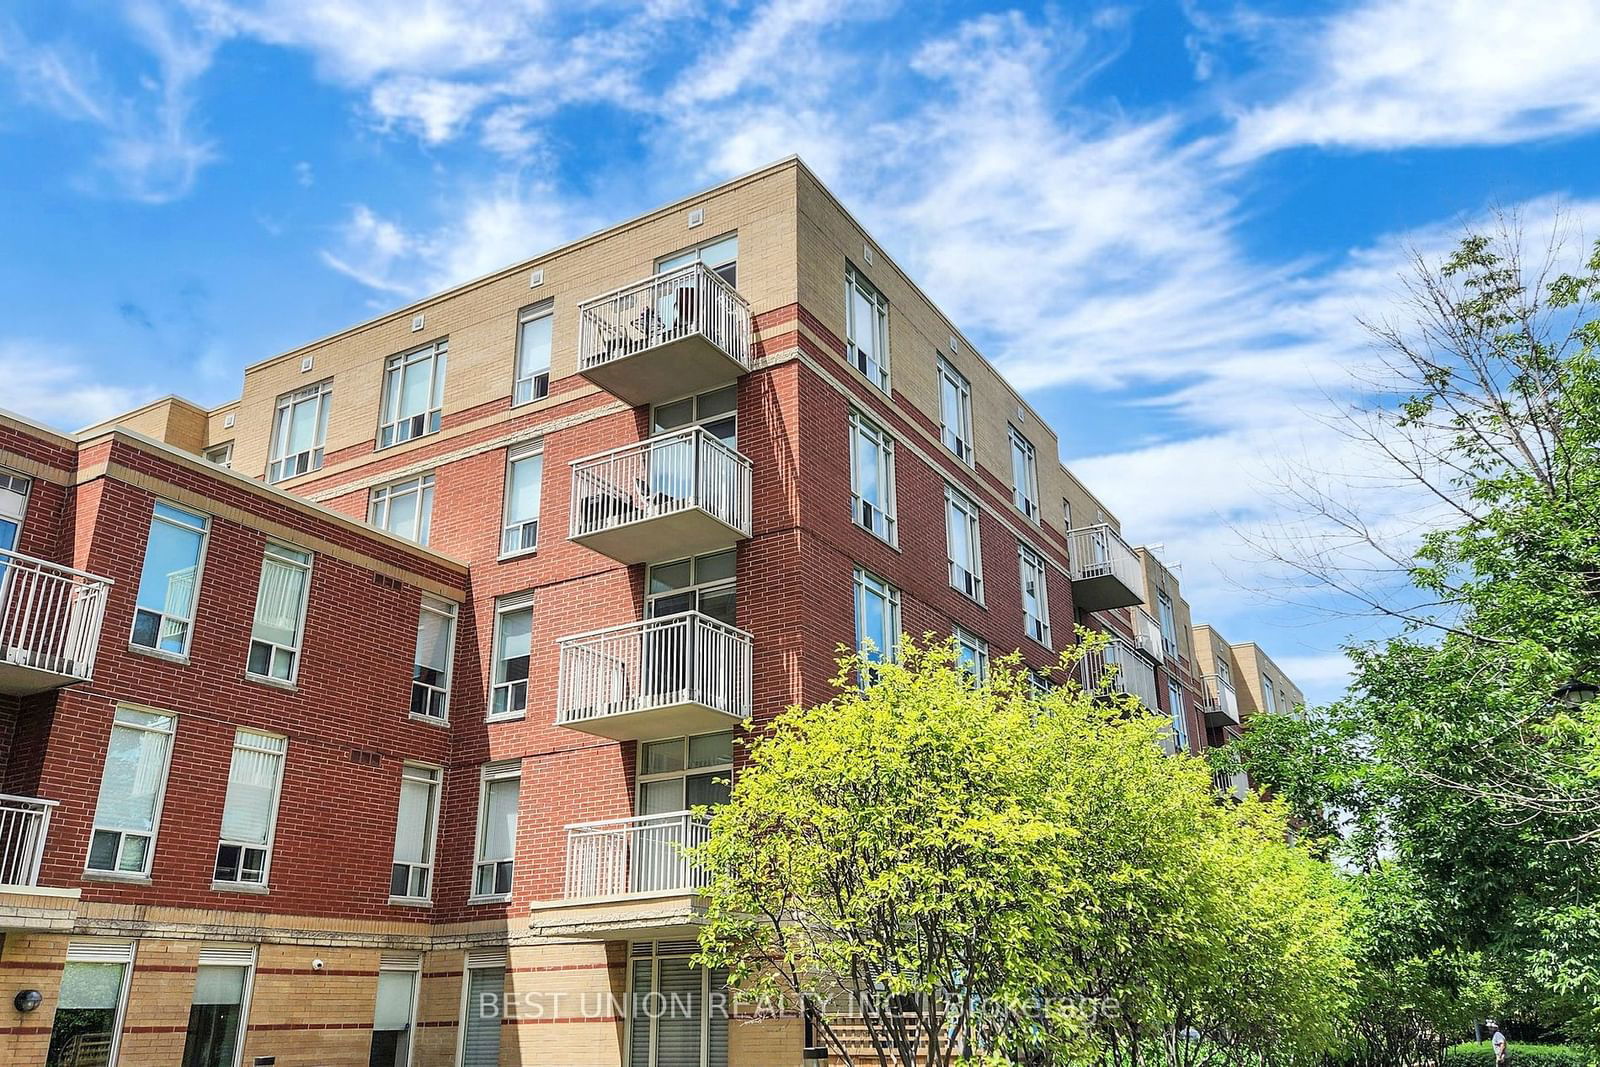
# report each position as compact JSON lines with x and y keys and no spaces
{"x":216,"y":1016}
{"x":677,"y":1013}
{"x":394,"y":1018}
{"x":483,"y":1008}
{"x":94,"y":991}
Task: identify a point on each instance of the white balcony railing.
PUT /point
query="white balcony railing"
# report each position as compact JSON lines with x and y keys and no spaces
{"x":24,"y":823}
{"x":1099,"y":552}
{"x":1235,"y":785}
{"x":1147,"y":634}
{"x":1222,"y":704}
{"x":1134,"y":675}
{"x":50,"y":616}
{"x":642,"y":855}
{"x":661,"y":476}
{"x":688,"y":658}
{"x":658,"y":310}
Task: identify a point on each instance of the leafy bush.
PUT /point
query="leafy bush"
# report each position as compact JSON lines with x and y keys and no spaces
{"x":1481,"y":1054}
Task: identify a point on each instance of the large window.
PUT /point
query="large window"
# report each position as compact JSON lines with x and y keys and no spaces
{"x":394,"y":1018}
{"x":483,"y":1008}
{"x":217,"y":1013}
{"x":706,"y":584}
{"x":300,"y":431}
{"x":867,"y":328}
{"x":1169,"y":623}
{"x":1035,"y":605}
{"x":430,"y":673}
{"x":251,"y":809}
{"x":720,"y":255}
{"x":973,"y":654}
{"x":955,"y":411}
{"x":524,"y":473}
{"x":280,"y":613}
{"x":169,"y":583}
{"x":964,"y":543}
{"x":534,"y":328}
{"x":131,"y":789}
{"x":872,"y":477}
{"x":877,"y":616}
{"x":404,"y":508}
{"x":89,"y":1008}
{"x":413,"y":394}
{"x":497,"y":831}
{"x":684,"y":773}
{"x":1269,"y":695}
{"x":513,"y":642}
{"x":678,"y":1013}
{"x":1180,"y":717}
{"x":1024,"y":475}
{"x":411,"y":879}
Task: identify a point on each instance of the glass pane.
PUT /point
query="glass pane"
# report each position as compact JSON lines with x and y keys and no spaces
{"x":91,"y":985}
{"x":715,"y":567}
{"x":721,"y":605}
{"x":707,"y":789}
{"x":718,"y":253}
{"x":656,"y":798}
{"x":136,"y":763}
{"x":395,"y":989}
{"x":415,"y":386}
{"x":500,"y":818}
{"x":412,"y":824}
{"x":303,"y":425}
{"x":219,"y":985}
{"x":278,"y":603}
{"x":711,"y":750}
{"x":674,"y":415}
{"x":669,"y":576}
{"x":485,"y":989}
{"x":433,"y":640}
{"x":660,"y":757}
{"x":522,"y":492}
{"x":252,"y":784}
{"x":516,"y":640}
{"x":683,"y":1005}
{"x":718,"y":402}
{"x":535,"y":346}
{"x":166,"y":584}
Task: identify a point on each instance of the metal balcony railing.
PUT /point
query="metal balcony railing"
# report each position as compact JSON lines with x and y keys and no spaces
{"x":642,"y":855}
{"x":662,"y":476}
{"x":1105,"y":572}
{"x":1235,"y":785}
{"x":688,"y":658}
{"x":1134,"y":675}
{"x":24,"y":824}
{"x":1147,"y":635}
{"x":50,"y":618}
{"x":690,"y":301}
{"x":1222,"y":704}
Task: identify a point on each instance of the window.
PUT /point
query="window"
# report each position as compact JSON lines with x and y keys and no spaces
{"x":867,"y":328}
{"x":872,"y":477}
{"x":405,"y":508}
{"x":524,"y":472}
{"x":221,"y":456}
{"x":877,"y":617}
{"x":412,"y":876}
{"x":683,"y":773}
{"x":413,"y":394}
{"x":513,"y":642}
{"x":534,"y":328}
{"x":705,"y":584}
{"x":131,"y":789}
{"x":717,"y":411}
{"x":430,"y":673}
{"x":1169,"y":623}
{"x":280,"y":613}
{"x":720,"y":255}
{"x":164,"y":615}
{"x":482,"y":1008}
{"x":1024,"y":475}
{"x":1066,"y":514}
{"x":13,"y":503}
{"x":497,"y":831}
{"x":973,"y":654}
{"x":299,"y":431}
{"x":250,"y":809}
{"x":678,"y":1013}
{"x":1269,"y":696}
{"x":89,"y":1008}
{"x":1180,"y":718}
{"x":1035,"y":608}
{"x":965,"y":544}
{"x":955,"y":411}
{"x":216,"y":1015}
{"x":394,"y":1016}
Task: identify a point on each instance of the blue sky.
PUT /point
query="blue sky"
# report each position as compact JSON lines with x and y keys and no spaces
{"x":1160,"y":218}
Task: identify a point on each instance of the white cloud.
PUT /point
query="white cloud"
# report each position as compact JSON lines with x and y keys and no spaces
{"x":1398,"y":73}
{"x":434,"y":108}
{"x":61,"y":391}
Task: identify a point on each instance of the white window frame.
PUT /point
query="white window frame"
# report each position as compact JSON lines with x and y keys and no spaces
{"x":650,"y":954}
{"x":1180,"y":716}
{"x":866,"y":583}
{"x":281,"y":464}
{"x":448,"y":610}
{"x":494,"y":772}
{"x":171,"y":732}
{"x":854,"y":282}
{"x":1269,"y":695}
{"x":394,"y":428}
{"x":1167,"y":616}
{"x":536,"y":389}
{"x":272,"y":816}
{"x":479,"y":960}
{"x":292,"y":651}
{"x":243,"y":956}
{"x":967,"y":641}
{"x":696,"y":254}
{"x":204,"y":529}
{"x":413,"y":965}
{"x":220,"y":455}
{"x":1024,"y":483}
{"x":1037,"y":628}
{"x":955,"y":428}
{"x":380,"y":505}
{"x":509,"y":528}
{"x":869,"y":515}
{"x":508,"y":606}
{"x":966,"y":576}
{"x":431,"y":775}
{"x":94,"y":950}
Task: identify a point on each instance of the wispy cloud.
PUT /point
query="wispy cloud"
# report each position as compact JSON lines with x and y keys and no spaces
{"x":62,"y":390}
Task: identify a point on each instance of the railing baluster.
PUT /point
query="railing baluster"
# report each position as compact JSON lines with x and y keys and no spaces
{"x":50,"y":615}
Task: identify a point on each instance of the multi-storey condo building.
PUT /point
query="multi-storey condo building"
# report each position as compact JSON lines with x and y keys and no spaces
{"x":386,"y":693}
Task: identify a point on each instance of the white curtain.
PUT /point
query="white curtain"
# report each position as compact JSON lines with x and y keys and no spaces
{"x":252,"y":783}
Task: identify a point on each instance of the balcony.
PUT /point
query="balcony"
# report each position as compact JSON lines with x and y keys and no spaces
{"x":630,"y":879}
{"x":24,"y":904}
{"x":49,"y":624}
{"x":1133,"y":676}
{"x":1105,"y":572}
{"x":1235,"y":786}
{"x":1221,"y":703}
{"x":674,"y":495}
{"x":667,"y":336}
{"x":1147,"y":635}
{"x":667,"y":677}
